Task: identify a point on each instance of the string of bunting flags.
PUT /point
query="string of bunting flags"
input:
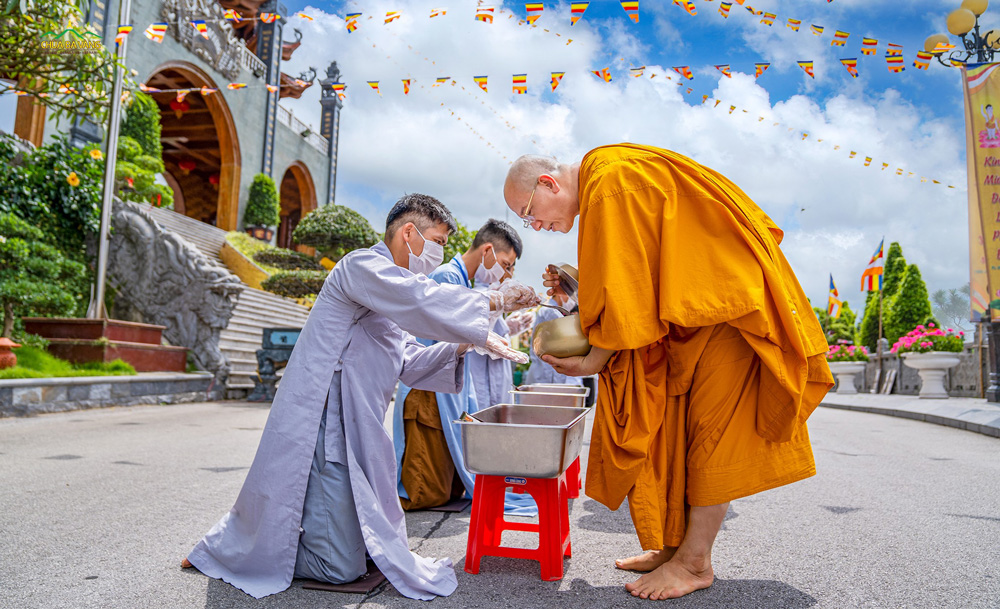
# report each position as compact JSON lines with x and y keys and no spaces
{"x":804,"y":137}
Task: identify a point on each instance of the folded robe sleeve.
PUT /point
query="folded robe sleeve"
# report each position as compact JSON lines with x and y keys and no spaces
{"x":435,"y":368}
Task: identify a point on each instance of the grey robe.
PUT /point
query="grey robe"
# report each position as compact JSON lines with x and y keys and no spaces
{"x":353,"y":348}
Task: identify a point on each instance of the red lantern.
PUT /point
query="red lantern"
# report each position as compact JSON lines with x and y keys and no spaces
{"x":179,"y":107}
{"x":157,"y":200}
{"x":214,"y":180}
{"x":187,"y":166}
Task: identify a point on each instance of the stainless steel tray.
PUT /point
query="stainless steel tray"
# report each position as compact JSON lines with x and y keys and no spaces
{"x":523,"y":440}
{"x":542,"y":395}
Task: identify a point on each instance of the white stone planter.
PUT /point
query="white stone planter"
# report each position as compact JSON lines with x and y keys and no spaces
{"x":932,"y":367}
{"x":845,"y":373}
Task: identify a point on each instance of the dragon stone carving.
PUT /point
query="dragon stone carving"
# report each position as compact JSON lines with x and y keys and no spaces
{"x":162,"y":279}
{"x":221,"y":50}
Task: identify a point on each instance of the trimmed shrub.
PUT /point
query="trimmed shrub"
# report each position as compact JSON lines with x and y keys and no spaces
{"x":142,"y":124}
{"x":295,"y":284}
{"x":910,"y":307}
{"x":895,"y":268}
{"x":263,"y":206}
{"x":335,"y":230}
{"x":287,"y":260}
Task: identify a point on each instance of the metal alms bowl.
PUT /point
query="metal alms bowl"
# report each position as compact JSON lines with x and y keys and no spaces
{"x":569,"y":278}
{"x":562,"y":337}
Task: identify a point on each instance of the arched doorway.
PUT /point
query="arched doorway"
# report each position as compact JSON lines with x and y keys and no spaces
{"x":298,"y":198}
{"x":201,"y":150}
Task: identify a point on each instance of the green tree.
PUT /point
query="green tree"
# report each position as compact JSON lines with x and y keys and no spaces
{"x":263,"y":205}
{"x":839,"y":329}
{"x":32,"y":274}
{"x":951,"y":307}
{"x":142,"y":124}
{"x":335,"y":230}
{"x":895,"y":268}
{"x":135,"y":175}
{"x":459,"y":242}
{"x":910,"y":306}
{"x":67,"y":83}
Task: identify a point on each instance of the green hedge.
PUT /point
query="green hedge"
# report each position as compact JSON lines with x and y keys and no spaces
{"x":335,"y":230}
{"x":295,"y":284}
{"x":286,"y":260}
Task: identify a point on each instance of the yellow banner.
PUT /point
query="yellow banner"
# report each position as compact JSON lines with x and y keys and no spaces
{"x":982,"y":104}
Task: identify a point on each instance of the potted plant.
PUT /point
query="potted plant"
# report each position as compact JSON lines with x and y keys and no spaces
{"x":931,"y":351}
{"x":846,"y":362}
{"x":263,"y":210}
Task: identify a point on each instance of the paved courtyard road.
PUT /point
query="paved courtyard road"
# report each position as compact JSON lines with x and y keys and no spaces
{"x":97,"y":508}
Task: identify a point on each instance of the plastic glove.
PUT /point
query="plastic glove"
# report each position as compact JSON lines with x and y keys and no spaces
{"x":519,"y":321}
{"x":517,"y":296}
{"x":498,"y":348}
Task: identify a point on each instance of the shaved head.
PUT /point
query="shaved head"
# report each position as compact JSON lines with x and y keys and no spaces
{"x":525,"y":171}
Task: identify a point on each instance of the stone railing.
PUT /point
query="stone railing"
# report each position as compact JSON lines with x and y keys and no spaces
{"x":252,"y":63}
{"x":161,"y":279}
{"x":964,"y":380}
{"x":317,"y":141}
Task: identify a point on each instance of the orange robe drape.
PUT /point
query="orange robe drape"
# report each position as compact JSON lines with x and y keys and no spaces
{"x":719,"y":358}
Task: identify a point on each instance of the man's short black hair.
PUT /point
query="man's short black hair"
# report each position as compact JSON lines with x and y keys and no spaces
{"x":501,"y":235}
{"x":423,"y":210}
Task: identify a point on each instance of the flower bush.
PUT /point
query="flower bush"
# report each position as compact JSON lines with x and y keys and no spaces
{"x":847,"y":353}
{"x":923,"y":339}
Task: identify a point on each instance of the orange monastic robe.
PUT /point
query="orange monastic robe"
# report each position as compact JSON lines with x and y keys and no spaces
{"x":719,"y":358}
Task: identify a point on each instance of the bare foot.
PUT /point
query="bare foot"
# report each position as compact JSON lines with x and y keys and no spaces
{"x":673,"y":579}
{"x":647,"y":561}
{"x":186,"y":564}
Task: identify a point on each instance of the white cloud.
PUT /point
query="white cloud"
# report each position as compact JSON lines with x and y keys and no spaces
{"x":832,"y":208}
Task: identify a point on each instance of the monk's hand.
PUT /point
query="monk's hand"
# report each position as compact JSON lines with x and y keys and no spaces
{"x":550,"y":279}
{"x":580,"y":365}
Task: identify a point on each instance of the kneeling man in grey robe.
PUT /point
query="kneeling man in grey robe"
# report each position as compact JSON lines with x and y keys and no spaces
{"x":321,"y":491}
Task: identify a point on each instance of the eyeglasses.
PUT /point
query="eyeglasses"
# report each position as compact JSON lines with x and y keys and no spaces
{"x":529,"y":219}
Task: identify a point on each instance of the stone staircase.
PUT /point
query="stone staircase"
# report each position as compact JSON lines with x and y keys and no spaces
{"x":255,"y":310}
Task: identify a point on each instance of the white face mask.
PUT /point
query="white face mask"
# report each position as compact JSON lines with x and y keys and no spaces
{"x":429,"y":259}
{"x":486,"y":276}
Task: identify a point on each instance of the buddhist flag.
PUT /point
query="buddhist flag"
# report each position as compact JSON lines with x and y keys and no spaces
{"x":123,"y":31}
{"x":631,"y":9}
{"x":236,"y":85}
{"x":874,"y":271}
{"x":374,"y":85}
{"x":304,"y":16}
{"x":869,"y":46}
{"x":269,"y":17}
{"x":868,"y":161}
{"x":688,"y":6}
{"x":851,"y":65}
{"x":637,"y":72}
{"x":484,"y":14}
{"x":895,"y":63}
{"x":732,"y":109}
{"x":833,"y":308}
{"x":144,"y":88}
{"x":942,"y":47}
{"x":155,"y":32}
{"x":839,"y":39}
{"x":724,"y":68}
{"x":181,"y":94}
{"x":768,"y":19}
{"x":852,"y":155}
{"x":440,"y":81}
{"x":340,"y":89}
{"x":724,"y":9}
{"x":817,"y":29}
{"x":684,"y":71}
{"x":201,"y":27}
{"x":520,"y":84}
{"x":232,"y":15}
{"x":885,"y":166}
{"x":807,"y":66}
{"x":556,"y":79}
{"x":437,"y":12}
{"x":761,"y":68}
{"x":894,"y":49}
{"x":534,"y":11}
{"x":604,"y":74}
{"x":352,"y":21}
{"x":576,"y":10}
{"x":272,"y":88}
{"x":923,"y":60}
{"x":481,"y":81}
{"x":406,"y":85}
{"x":207,"y":91}
{"x":391,"y":16}
{"x":795,"y":24}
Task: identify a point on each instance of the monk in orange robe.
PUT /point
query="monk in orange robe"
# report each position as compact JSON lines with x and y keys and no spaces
{"x":709,"y":354}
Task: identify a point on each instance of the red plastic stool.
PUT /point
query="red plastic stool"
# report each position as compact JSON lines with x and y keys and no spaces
{"x":488,"y":524}
{"x":573,"y":479}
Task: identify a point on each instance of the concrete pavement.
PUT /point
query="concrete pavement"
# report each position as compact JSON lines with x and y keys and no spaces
{"x":98,"y":507}
{"x":970,"y":414}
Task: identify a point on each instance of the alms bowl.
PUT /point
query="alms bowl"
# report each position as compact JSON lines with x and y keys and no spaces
{"x":562,"y":337}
